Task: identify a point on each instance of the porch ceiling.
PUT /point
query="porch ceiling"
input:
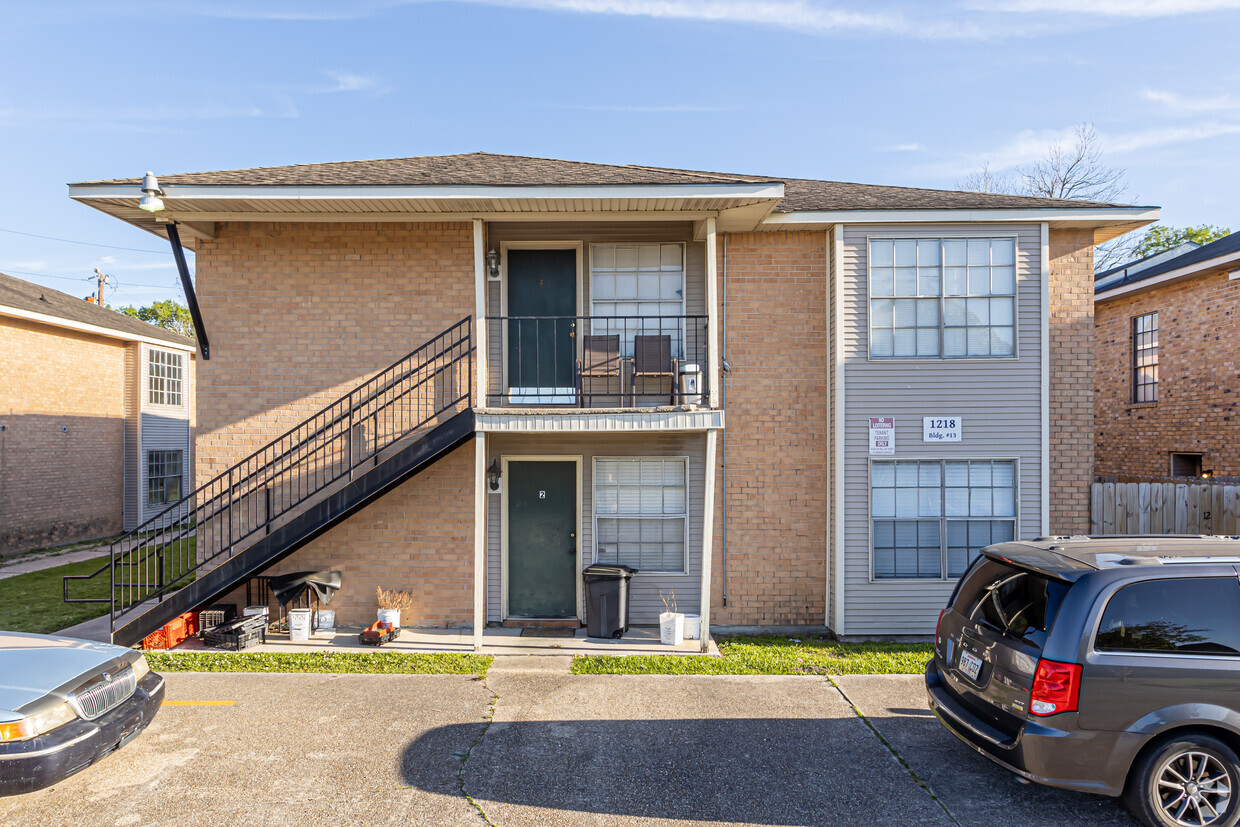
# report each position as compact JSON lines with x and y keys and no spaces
{"x":737,"y":207}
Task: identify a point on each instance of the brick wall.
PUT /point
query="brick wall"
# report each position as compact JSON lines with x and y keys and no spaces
{"x":299,"y":314}
{"x":58,"y":485}
{"x":777,"y":409}
{"x":1198,"y":369}
{"x":1072,"y":379}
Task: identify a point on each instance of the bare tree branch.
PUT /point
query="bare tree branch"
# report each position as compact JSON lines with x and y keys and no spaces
{"x":1076,"y":172}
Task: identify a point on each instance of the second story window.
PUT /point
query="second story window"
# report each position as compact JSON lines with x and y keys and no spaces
{"x":942,"y":298}
{"x":640,"y":290}
{"x":1145,"y":358}
{"x":164,"y":372}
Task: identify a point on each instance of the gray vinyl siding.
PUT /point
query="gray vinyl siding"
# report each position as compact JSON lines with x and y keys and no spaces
{"x":130,"y":497}
{"x":645,"y":601}
{"x":997,"y":399}
{"x":163,"y":428}
{"x":587,"y":234}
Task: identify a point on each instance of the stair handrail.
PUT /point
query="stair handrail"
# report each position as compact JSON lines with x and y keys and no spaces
{"x":181,"y":518}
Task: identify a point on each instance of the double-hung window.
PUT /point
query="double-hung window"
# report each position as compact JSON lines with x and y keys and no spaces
{"x":639,"y":289}
{"x":934,"y":516}
{"x":1145,"y":358}
{"x":641,"y":512}
{"x":164,"y":373}
{"x":163,"y":477}
{"x":935,"y":298}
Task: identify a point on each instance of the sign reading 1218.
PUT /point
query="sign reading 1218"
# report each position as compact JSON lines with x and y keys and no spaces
{"x":940,"y":429}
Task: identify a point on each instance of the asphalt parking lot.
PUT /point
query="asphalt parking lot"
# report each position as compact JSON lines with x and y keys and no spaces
{"x":558,"y":750}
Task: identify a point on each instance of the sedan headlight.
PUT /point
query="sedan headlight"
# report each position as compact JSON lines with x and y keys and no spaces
{"x":140,"y":667}
{"x":33,"y":726}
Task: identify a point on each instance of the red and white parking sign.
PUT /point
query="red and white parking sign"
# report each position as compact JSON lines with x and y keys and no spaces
{"x":882,"y":435}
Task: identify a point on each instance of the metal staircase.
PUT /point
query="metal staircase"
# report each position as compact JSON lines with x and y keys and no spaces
{"x":290,"y":491}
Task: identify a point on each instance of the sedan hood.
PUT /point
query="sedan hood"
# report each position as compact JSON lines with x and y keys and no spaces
{"x":31,"y":666}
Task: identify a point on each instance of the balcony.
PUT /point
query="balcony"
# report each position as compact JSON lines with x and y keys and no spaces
{"x":598,"y":362}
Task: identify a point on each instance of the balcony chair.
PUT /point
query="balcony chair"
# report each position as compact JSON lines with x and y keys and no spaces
{"x":652,"y":359}
{"x":600,"y":359}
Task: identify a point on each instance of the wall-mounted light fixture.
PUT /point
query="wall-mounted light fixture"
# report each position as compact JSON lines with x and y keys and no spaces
{"x":1207,"y":473}
{"x":151,"y":202}
{"x":493,"y":480}
{"x":493,"y":265}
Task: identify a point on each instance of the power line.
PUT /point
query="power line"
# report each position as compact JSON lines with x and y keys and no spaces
{"x":71,"y":278}
{"x":85,"y":243}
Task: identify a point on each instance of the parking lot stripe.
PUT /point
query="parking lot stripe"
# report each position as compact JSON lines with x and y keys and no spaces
{"x":199,"y":703}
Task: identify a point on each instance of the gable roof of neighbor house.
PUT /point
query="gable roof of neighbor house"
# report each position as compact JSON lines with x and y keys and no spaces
{"x":488,"y":169}
{"x":23,"y":299}
{"x":511,"y":187}
{"x":1225,"y":252}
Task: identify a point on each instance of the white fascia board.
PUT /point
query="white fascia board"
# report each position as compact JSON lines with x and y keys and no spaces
{"x":83,"y":327}
{"x":441,"y":193}
{"x":1170,"y":275}
{"x":1083,"y":216}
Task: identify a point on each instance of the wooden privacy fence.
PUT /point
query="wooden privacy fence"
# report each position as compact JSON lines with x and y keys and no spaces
{"x":1164,"y":508}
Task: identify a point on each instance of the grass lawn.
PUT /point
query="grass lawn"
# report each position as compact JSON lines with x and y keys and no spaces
{"x":34,"y":602}
{"x":770,"y":655}
{"x":386,"y":663}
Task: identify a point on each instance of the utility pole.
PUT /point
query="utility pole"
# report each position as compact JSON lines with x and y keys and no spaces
{"x":100,"y":280}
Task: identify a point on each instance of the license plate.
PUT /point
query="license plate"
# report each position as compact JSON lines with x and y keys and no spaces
{"x":970,"y":665}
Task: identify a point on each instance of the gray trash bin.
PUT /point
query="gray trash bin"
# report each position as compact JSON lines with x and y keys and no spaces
{"x":607,"y":599}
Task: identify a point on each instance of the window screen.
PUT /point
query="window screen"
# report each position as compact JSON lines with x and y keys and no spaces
{"x":942,"y":297}
{"x":164,"y":378}
{"x":641,"y":512}
{"x":640,"y":290}
{"x":935,"y":516}
{"x":1197,"y":616}
{"x":163,"y":477}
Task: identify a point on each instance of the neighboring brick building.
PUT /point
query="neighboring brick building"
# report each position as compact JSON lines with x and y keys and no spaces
{"x":1167,"y":356}
{"x":71,"y":400}
{"x":555,"y":409}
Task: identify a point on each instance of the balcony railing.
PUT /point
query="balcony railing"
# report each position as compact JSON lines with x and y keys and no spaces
{"x":597,"y":361}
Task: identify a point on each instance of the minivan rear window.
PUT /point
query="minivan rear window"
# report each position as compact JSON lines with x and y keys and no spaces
{"x":1010,"y":600}
{"x":1192,"y":615}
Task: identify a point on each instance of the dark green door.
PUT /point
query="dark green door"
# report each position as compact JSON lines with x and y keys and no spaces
{"x":542,"y":539}
{"x":542,"y":301}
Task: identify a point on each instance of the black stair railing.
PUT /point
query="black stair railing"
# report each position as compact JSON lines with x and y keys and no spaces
{"x":285,"y":477}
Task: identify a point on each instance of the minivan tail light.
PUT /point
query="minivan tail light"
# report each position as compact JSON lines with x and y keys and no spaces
{"x":1056,"y":688}
{"x":937,"y":626}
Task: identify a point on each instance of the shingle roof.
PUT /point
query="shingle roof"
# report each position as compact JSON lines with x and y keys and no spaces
{"x":1204,"y":253}
{"x":487,"y":169}
{"x":35,"y":298}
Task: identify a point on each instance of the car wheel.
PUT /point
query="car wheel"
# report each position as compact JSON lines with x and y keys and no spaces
{"x":1190,"y":781}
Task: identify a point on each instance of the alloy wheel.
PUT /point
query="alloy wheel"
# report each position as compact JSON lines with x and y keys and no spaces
{"x":1193,"y":789}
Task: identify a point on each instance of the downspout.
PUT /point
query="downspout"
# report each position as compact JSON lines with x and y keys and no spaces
{"x":200,"y":330}
{"x":723,"y":434}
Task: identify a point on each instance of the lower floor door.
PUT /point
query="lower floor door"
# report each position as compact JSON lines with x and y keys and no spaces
{"x":542,"y":538}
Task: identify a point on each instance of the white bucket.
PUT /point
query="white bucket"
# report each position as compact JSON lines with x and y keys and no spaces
{"x":299,"y":624}
{"x":693,"y":627}
{"x":390,"y":616}
{"x":671,"y":628}
{"x":325,"y":619}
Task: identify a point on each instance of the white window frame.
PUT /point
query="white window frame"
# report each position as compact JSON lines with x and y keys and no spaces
{"x":943,"y":576}
{"x":152,"y":353}
{"x":942,"y":296}
{"x":595,"y":516}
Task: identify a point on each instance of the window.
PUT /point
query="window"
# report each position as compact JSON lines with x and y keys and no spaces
{"x":638,"y":280}
{"x":1145,"y":358}
{"x":1186,"y":465}
{"x":164,"y":378}
{"x":1197,"y":616}
{"x":641,"y":513}
{"x":931,"y":516}
{"x":1019,"y":603}
{"x":163,"y":477}
{"x":942,"y":297}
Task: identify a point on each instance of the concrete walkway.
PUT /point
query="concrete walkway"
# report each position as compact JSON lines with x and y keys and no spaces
{"x":532,"y":745}
{"x":51,"y":559}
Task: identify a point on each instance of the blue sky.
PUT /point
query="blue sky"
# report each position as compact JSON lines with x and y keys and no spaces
{"x":908,"y":93}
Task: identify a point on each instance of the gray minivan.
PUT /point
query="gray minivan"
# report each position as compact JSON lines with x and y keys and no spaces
{"x":1109,"y":665}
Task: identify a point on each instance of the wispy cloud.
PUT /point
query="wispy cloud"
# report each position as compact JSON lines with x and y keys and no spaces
{"x":903,"y":148}
{"x":149,"y":117}
{"x":1110,"y":8}
{"x":1163,"y":136}
{"x":348,"y":82}
{"x":33,"y":264}
{"x":653,"y":107}
{"x":1183,"y":104}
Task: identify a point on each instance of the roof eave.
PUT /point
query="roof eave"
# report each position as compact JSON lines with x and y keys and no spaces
{"x":1201,"y":268}
{"x":1107,"y":222}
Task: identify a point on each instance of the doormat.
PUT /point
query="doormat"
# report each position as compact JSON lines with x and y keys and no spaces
{"x":536,"y":631}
